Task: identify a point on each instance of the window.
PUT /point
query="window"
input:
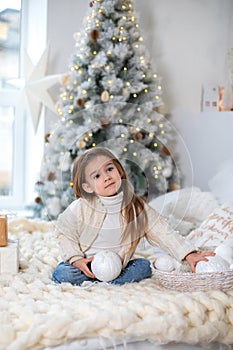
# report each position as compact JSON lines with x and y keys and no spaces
{"x":6,"y":144}
{"x":11,"y":124}
{"x":23,"y":28}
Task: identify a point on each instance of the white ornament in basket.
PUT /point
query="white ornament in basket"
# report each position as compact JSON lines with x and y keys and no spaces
{"x":166,"y":263}
{"x":214,"y":264}
{"x":225,"y":251}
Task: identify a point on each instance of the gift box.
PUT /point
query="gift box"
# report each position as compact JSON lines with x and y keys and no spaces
{"x":9,"y":257}
{"x":3,"y":230}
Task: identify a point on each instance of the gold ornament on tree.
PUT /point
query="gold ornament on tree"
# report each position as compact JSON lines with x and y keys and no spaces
{"x":105,"y":96}
{"x":81,"y":144}
{"x":64,"y":79}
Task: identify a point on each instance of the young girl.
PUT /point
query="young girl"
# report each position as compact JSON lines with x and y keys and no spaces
{"x":108,"y":215}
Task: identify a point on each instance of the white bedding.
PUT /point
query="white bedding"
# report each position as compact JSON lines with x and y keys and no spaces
{"x":97,"y":344}
{"x":37,"y":314}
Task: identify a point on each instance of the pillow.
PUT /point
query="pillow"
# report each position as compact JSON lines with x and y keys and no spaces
{"x":221,"y":184}
{"x":183,"y":226}
{"x":186,"y":208}
{"x":161,"y":202}
{"x":194,"y":206}
{"x":215,"y":229}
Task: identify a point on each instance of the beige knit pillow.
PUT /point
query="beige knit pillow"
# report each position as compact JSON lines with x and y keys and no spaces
{"x":215,"y":229}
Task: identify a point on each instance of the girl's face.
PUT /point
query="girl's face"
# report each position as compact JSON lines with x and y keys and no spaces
{"x":102,"y":177}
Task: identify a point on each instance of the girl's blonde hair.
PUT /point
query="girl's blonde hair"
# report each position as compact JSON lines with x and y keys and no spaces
{"x":132,"y":209}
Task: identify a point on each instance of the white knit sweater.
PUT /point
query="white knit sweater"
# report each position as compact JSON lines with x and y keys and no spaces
{"x":79,"y":225}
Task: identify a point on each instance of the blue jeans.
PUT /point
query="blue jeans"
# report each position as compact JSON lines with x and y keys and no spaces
{"x":135,"y":271}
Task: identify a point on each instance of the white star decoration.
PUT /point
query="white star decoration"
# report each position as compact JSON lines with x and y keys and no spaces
{"x":35,"y":87}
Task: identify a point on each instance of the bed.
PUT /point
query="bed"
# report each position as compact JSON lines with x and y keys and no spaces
{"x":38,"y":314}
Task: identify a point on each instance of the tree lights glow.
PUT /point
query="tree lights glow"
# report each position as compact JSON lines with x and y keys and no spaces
{"x":111,"y":97}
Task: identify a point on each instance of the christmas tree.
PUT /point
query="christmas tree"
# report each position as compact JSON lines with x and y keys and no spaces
{"x":110,"y":97}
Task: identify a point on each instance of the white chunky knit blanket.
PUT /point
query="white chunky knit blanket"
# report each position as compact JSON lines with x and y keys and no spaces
{"x":35,"y":313}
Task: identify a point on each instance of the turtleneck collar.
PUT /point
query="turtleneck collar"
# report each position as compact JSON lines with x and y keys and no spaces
{"x":113,"y":202}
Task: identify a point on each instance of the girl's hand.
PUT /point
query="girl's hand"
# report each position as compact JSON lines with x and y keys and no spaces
{"x":194,"y":258}
{"x":81,"y":264}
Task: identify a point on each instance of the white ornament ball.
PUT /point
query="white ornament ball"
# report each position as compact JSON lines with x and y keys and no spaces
{"x":214,"y":264}
{"x":106,"y":265}
{"x":165,"y":263}
{"x":54,"y":206}
{"x":167,"y":171}
{"x":225,"y":251}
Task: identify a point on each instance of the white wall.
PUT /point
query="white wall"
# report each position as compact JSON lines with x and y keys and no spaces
{"x":208,"y":140}
{"x":188,"y":41}
{"x":64,"y":19}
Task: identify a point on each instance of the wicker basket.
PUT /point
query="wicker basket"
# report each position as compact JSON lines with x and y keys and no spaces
{"x":191,"y":282}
